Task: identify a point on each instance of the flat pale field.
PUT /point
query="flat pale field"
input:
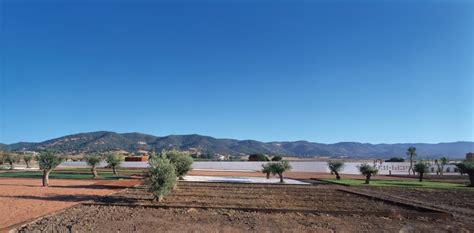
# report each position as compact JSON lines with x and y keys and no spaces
{"x":22,"y":200}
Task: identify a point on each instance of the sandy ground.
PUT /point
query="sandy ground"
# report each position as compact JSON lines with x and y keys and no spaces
{"x":25,"y":199}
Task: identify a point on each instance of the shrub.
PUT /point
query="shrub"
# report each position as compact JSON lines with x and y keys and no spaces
{"x":114,"y":161}
{"x":47,"y":161}
{"x":277,"y":158}
{"x":421,"y":168}
{"x":335,"y":167}
{"x":279,"y":168}
{"x":467,"y":168}
{"x":367,"y":171}
{"x":161,"y":177}
{"x":93,"y":161}
{"x":27,"y":158}
{"x":258,"y":157}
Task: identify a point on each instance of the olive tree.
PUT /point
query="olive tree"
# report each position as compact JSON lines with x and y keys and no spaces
{"x":11,"y":159}
{"x":421,"y":168}
{"x":93,"y":161}
{"x":278,"y":168}
{"x":182,"y":161}
{"x":27,"y":158}
{"x":335,"y":167}
{"x":411,"y":152}
{"x":47,"y":161}
{"x":114,"y":161}
{"x":160,"y":178}
{"x":266,"y":170}
{"x":467,"y":167}
{"x":368,"y":171}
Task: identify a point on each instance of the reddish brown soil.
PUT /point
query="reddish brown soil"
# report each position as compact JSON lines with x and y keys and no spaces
{"x":143,"y":219}
{"x":125,"y":211}
{"x":459,"y":202}
{"x":25,"y":199}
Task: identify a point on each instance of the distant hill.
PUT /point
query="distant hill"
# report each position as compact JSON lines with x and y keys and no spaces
{"x":106,"y":141}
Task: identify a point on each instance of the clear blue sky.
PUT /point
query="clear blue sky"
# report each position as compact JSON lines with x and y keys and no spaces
{"x":323,"y":71}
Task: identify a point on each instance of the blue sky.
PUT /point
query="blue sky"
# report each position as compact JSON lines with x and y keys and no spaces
{"x":323,"y":71}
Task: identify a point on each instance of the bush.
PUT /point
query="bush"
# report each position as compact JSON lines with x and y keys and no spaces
{"x":161,"y":177}
{"x":367,"y":171}
{"x":421,"y":168}
{"x":335,"y":167}
{"x":467,"y":168}
{"x":47,"y":161}
{"x":277,"y":158}
{"x":114,"y":161}
{"x":93,"y":161}
{"x":258,"y":157}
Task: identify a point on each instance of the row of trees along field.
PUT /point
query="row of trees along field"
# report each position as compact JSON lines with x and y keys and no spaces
{"x":48,"y":160}
{"x":421,"y":167}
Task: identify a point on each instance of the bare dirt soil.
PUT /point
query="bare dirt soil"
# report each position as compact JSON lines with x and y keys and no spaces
{"x":459,"y":202}
{"x":25,"y":199}
{"x":212,"y":207}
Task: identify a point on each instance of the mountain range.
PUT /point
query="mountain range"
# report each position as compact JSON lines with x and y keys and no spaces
{"x":132,"y":142}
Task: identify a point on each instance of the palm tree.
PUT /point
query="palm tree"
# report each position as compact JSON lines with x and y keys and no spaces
{"x":411,"y":152}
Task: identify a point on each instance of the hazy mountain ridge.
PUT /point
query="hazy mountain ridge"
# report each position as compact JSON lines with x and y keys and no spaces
{"x":104,"y":141}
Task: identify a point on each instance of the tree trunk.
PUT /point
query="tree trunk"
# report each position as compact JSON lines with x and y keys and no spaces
{"x":337,"y":176}
{"x":115,"y":170}
{"x":367,"y":179}
{"x":180,"y":178}
{"x":421,"y":177}
{"x":471,"y":178}
{"x":45,"y":178}
{"x":268,"y":175}
{"x":11,"y":166}
{"x":94,"y":172}
{"x":281,"y":178}
{"x":410,"y":169}
{"x":27,"y":164}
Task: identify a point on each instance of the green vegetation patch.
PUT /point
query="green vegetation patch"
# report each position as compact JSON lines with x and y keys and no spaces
{"x":61,"y":175}
{"x":396,"y":183}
